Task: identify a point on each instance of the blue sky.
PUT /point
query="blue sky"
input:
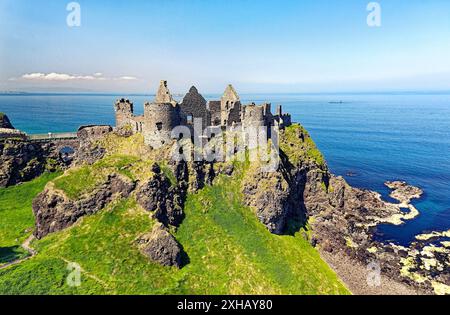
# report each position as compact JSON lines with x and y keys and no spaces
{"x":259,"y":46}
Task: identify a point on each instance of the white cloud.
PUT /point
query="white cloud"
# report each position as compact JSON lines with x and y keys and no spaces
{"x":127,"y":78}
{"x":53,"y":76}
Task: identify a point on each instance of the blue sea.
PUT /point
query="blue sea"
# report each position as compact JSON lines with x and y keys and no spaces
{"x":375,"y":137}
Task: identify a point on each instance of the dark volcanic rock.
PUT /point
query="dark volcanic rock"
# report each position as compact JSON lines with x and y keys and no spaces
{"x":202,"y":174}
{"x":158,"y":195}
{"x":21,"y":161}
{"x":54,"y":211}
{"x":268,"y":193}
{"x":153,"y":194}
{"x":342,"y":218}
{"x":279,"y":197}
{"x":161,"y":247}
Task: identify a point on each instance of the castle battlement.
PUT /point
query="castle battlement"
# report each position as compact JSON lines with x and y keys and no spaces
{"x":163,"y":114}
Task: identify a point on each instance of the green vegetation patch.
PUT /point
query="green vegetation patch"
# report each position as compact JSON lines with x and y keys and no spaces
{"x":298,"y":145}
{"x":168,"y":172}
{"x":16,"y":216}
{"x":77,"y":181}
{"x":229,"y":252}
{"x":44,"y":275}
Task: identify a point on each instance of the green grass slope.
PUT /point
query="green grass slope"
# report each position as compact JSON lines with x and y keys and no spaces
{"x":229,"y":251}
{"x":16,"y":217}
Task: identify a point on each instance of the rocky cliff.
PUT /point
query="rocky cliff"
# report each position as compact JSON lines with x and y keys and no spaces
{"x":301,"y":195}
{"x":21,"y":161}
{"x":342,"y":219}
{"x":54,"y":211}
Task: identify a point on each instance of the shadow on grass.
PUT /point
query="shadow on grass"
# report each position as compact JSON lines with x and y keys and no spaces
{"x":8,"y":254}
{"x":185,"y":260}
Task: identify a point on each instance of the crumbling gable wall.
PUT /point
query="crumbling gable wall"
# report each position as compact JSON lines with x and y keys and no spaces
{"x":230,"y":107}
{"x":163,"y":95}
{"x":194,"y":106}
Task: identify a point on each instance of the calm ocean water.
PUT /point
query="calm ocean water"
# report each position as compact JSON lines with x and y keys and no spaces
{"x":377,"y":137}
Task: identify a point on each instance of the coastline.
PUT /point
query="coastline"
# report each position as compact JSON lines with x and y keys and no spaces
{"x":354,"y":276}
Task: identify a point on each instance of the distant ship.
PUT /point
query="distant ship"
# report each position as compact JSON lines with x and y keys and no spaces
{"x":336,"y":102}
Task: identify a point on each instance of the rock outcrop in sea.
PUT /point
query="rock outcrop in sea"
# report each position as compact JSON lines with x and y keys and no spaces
{"x":5,"y":122}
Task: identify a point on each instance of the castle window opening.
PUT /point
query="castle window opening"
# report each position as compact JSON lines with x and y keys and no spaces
{"x":190,"y":119}
{"x":159,"y":126}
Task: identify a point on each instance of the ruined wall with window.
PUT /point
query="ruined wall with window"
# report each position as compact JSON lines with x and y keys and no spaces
{"x":230,"y":104}
{"x":164,"y":113}
{"x":194,"y":106}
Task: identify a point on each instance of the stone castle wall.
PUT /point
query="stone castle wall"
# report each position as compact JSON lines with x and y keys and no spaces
{"x":194,"y":106}
{"x":164,"y":114}
{"x":215,"y":113}
{"x":125,"y":117}
{"x":253,"y":115}
{"x":159,"y":120}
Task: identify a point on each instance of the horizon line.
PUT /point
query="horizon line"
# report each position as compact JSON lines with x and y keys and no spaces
{"x":93,"y":93}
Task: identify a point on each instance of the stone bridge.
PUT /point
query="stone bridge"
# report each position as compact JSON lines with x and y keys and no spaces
{"x":52,"y":136}
{"x":68,"y":145}
{"x":24,"y":157}
{"x":61,"y":142}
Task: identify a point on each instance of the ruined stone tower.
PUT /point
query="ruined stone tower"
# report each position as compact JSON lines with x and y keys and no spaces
{"x":124,"y":112}
{"x":163,"y":95}
{"x":160,"y":117}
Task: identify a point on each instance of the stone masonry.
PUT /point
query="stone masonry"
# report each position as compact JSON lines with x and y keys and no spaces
{"x":164,"y":113}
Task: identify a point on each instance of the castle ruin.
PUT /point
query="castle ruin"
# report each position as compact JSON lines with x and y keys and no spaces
{"x":164,"y":113}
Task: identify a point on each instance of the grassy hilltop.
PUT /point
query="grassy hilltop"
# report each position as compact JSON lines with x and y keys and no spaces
{"x":229,"y":251}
